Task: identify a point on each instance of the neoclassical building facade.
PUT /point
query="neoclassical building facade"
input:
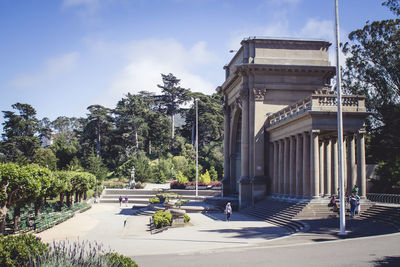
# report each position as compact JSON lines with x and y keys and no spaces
{"x":281,"y":124}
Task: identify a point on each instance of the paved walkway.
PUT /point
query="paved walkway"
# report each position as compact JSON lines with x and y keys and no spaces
{"x":211,"y":241}
{"x":105,"y":223}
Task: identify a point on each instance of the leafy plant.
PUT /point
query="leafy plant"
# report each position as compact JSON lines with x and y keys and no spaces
{"x":162,"y":219}
{"x":20,"y":249}
{"x":182,"y":178}
{"x":205,"y":177}
{"x":186,"y":218}
{"x":83,"y":253}
{"x":154,"y":200}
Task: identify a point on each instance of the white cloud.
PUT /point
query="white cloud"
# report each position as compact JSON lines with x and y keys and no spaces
{"x":147,"y":59}
{"x":325,"y":30}
{"x":52,"y":69}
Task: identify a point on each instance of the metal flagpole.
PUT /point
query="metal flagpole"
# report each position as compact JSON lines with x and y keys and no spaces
{"x":340,"y":128}
{"x":197,"y":149}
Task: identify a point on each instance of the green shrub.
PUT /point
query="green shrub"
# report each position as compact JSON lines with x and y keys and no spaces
{"x":120,"y":260}
{"x":186,"y":218}
{"x":213,"y":174}
{"x":18,"y":250}
{"x":182,"y":178}
{"x":154,"y":200}
{"x":162,"y":219}
{"x":205,"y":178}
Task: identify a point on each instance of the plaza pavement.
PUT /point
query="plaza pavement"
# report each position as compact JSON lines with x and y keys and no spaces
{"x":244,"y":241}
{"x":105,"y":223}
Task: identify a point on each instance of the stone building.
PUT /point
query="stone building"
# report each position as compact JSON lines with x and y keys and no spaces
{"x":281,"y":124}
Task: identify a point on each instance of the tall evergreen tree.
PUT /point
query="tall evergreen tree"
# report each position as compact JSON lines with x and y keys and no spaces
{"x":173,"y":97}
{"x":20,"y":133}
{"x":372,"y":69}
{"x":99,"y":125}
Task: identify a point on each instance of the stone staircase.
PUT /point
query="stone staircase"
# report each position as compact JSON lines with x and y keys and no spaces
{"x":383,"y":212}
{"x":140,"y":197}
{"x":280,"y":213}
{"x":291,"y":214}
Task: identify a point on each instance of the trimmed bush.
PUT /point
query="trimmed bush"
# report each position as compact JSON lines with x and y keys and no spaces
{"x":186,"y":218}
{"x":20,"y":249}
{"x":154,"y":200}
{"x":120,"y":260}
{"x":162,"y":219}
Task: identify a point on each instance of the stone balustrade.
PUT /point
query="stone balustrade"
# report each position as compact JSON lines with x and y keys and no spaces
{"x":319,"y":102}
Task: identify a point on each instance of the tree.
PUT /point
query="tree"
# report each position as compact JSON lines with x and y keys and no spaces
{"x":211,"y":119}
{"x":99,"y":125}
{"x":20,"y":140}
{"x":45,"y":157}
{"x":173,"y":96}
{"x":17,"y":185}
{"x":131,"y":123}
{"x":65,"y":150}
{"x":95,"y":166}
{"x":372,"y":69}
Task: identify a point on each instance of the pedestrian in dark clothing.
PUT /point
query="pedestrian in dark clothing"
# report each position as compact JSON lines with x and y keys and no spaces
{"x":126,"y":201}
{"x":120,"y":201}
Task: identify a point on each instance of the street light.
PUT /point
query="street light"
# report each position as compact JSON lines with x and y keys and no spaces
{"x":197,"y":148}
{"x":340,"y":128}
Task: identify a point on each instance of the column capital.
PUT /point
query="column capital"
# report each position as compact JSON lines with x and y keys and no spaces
{"x":361,"y":131}
{"x":315,"y":132}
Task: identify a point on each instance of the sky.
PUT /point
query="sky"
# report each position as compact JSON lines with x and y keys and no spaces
{"x":60,"y":56}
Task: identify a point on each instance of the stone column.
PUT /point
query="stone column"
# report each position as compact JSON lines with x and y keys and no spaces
{"x":271,"y":167}
{"x":362,"y":179}
{"x":276,"y":167}
{"x":328,"y":167}
{"x":245,"y":188}
{"x":281,"y":180}
{"x":292,"y":166}
{"x":299,"y":165}
{"x":345,"y":163}
{"x":353,"y":168}
{"x":286,"y":167}
{"x":306,"y":165}
{"x":314,"y":172}
{"x":322,"y":168}
{"x":335,"y":169}
{"x":226,"y":183}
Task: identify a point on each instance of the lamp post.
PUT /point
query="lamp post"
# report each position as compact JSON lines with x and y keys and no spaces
{"x":340,"y":127}
{"x":197,"y":148}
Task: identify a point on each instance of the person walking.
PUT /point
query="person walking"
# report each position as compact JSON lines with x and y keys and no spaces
{"x":126,"y":201}
{"x":353,"y":205}
{"x":358,"y":205}
{"x":228,"y":211}
{"x":120,"y":201}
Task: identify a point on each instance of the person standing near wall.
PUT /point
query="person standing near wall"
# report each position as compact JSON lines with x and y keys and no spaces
{"x":228,"y":211}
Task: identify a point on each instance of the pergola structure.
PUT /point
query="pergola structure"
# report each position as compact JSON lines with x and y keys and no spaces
{"x":280,"y":123}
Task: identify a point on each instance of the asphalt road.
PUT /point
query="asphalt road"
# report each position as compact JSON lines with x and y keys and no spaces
{"x":381,"y":250}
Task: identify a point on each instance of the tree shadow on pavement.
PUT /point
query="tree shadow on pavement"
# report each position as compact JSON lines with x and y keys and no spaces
{"x":126,"y":211}
{"x":388,"y":261}
{"x":235,"y":217}
{"x":268,"y":232}
{"x":354,"y":227}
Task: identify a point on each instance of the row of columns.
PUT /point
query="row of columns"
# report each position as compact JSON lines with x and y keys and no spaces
{"x":306,"y":165}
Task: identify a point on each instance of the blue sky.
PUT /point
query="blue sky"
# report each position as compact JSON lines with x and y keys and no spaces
{"x":61,"y":56}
